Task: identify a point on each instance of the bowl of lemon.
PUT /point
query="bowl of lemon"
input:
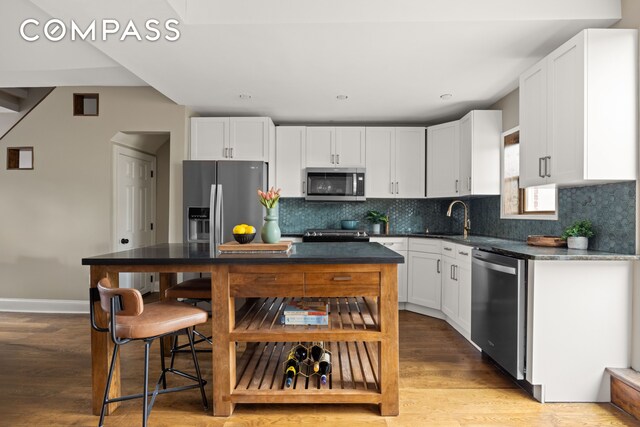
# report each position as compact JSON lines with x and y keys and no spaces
{"x":244,"y":233}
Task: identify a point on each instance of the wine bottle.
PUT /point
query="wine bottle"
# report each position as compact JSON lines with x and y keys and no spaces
{"x":324,"y":368}
{"x":317,"y":350}
{"x":291,"y":369}
{"x":300,"y":353}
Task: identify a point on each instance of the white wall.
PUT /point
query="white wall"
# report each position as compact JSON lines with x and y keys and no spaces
{"x":60,"y":212}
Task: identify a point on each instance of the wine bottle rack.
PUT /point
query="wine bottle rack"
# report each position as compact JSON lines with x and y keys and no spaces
{"x":354,"y":367}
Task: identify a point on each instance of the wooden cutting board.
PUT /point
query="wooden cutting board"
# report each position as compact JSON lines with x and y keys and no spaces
{"x":254,"y":247}
{"x":551,"y":241}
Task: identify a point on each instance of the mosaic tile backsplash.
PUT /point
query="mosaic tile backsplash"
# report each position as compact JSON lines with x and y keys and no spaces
{"x":610,"y":207}
{"x":405,"y":215}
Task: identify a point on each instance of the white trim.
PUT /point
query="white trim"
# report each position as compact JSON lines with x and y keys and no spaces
{"x":24,"y":305}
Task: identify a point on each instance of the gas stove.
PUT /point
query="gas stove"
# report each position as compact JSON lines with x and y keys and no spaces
{"x":316,"y":235}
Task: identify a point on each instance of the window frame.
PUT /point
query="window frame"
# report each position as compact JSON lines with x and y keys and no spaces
{"x":540,"y":215}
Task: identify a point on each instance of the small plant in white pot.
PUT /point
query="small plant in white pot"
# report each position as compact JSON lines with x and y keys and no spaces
{"x":577,"y":235}
{"x":377,"y":218}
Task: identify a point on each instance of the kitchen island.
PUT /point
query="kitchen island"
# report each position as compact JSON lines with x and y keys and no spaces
{"x":358,"y":280}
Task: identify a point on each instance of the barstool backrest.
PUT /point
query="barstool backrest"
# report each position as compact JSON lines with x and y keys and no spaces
{"x":131,"y":303}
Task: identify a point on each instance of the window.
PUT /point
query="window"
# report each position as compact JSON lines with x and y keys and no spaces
{"x":525,"y":203}
{"x":85,"y":104}
{"x":19,"y":158}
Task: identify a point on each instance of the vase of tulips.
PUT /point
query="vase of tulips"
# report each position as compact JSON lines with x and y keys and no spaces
{"x":270,"y":232}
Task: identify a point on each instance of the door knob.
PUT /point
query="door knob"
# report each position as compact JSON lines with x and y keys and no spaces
{"x":124,"y":241}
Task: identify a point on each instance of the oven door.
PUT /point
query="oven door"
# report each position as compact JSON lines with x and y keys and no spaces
{"x":325,"y":184}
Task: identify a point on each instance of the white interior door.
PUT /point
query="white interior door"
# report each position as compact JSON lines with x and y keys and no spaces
{"x":134,"y":185}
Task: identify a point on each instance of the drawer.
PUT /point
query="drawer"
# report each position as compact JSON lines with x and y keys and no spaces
{"x":463,"y":254}
{"x":266,"y":284}
{"x":431,"y":246}
{"x":393,"y":243}
{"x":342,"y":284}
{"x":449,"y":249}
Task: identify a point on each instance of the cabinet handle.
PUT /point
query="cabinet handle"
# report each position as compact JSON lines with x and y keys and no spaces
{"x":540,"y":160}
{"x":438,"y":266}
{"x":341,"y":278}
{"x":447,"y":249}
{"x":231,"y":152}
{"x":469,"y":184}
{"x":451,"y":272}
{"x":337,"y":159}
{"x":266,"y":279}
{"x":456,"y":186}
{"x":547,"y":166}
{"x":225,"y":153}
{"x":391,"y":187}
{"x":397,"y":188}
{"x":463,"y":253}
{"x":333,"y":157}
{"x":304,"y":187}
{"x":388,"y":244}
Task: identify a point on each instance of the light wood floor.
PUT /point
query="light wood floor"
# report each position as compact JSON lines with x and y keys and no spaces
{"x":45,"y":381}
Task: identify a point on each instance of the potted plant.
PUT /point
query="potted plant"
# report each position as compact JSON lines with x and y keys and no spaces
{"x":377,"y":218}
{"x":577,"y":235}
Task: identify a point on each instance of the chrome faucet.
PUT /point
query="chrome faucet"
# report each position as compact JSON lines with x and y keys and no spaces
{"x":467,"y":223}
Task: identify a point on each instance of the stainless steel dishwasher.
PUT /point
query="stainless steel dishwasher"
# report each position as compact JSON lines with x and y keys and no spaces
{"x":498,"y":309}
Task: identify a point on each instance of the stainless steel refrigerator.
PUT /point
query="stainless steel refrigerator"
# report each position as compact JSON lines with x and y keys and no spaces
{"x":218,"y":195}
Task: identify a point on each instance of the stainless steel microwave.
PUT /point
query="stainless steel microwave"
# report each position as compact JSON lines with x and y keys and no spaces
{"x":334,"y":184}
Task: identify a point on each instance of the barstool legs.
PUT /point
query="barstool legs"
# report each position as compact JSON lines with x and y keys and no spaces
{"x":108,"y":387}
{"x":145,"y":394}
{"x":197,"y":365}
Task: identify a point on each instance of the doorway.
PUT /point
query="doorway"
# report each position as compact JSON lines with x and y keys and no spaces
{"x":134,"y":184}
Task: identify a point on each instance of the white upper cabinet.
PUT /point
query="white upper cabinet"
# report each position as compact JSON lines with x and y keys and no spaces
{"x":380,"y":164}
{"x":578,"y":111}
{"x":231,"y":138}
{"x":395,"y":162}
{"x":443,"y":144}
{"x":350,"y":146}
{"x":533,"y":123}
{"x":479,"y":154}
{"x":463,"y":157}
{"x":410,"y":162}
{"x":335,"y":146}
{"x":209,"y":138}
{"x":289,"y":174}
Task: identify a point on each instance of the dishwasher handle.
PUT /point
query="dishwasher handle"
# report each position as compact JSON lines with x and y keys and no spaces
{"x":497,"y":267}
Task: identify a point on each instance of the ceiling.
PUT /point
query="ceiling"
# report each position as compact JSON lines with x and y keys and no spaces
{"x":393,"y":59}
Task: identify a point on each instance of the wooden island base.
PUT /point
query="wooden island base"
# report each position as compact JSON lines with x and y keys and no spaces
{"x":362,"y":335}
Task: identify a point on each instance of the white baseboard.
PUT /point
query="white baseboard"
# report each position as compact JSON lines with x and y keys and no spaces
{"x":23,"y":305}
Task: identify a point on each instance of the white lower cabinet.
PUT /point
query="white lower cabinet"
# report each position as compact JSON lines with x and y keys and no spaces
{"x":424,"y":273}
{"x":399,"y":245}
{"x":456,"y":286}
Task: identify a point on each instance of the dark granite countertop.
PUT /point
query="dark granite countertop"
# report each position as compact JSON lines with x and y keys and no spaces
{"x":301,"y":253}
{"x":520,"y":249}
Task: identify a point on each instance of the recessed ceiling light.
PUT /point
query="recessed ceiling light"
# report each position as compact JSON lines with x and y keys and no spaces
{"x":342,"y":97}
{"x":245,"y":96}
{"x":446,"y":96}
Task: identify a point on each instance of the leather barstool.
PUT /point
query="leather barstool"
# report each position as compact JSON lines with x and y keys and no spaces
{"x":132,"y":320}
{"x":190,"y":291}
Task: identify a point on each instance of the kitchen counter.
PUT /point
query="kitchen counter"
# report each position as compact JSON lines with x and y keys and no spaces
{"x":520,"y":249}
{"x":301,"y":253}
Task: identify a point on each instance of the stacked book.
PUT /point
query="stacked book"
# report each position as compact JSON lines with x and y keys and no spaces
{"x":305,"y":313}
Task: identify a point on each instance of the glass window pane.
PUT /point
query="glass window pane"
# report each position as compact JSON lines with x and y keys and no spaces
{"x":540,"y":199}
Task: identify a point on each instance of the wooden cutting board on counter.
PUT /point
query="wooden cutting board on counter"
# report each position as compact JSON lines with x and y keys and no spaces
{"x":551,"y":241}
{"x":235,"y":247}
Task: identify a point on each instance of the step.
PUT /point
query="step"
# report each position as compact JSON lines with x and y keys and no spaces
{"x":625,"y":390}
